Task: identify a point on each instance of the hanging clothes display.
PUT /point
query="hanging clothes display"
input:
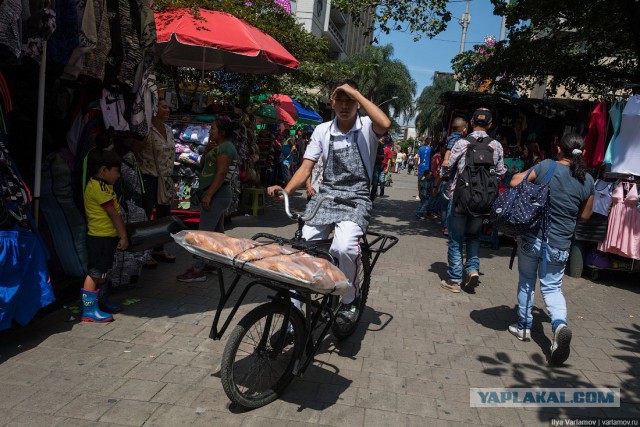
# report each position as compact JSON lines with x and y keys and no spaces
{"x":602,"y":199}
{"x":625,"y":158}
{"x":594,"y":141}
{"x":129,"y":188}
{"x":615,"y":114}
{"x":623,"y":235}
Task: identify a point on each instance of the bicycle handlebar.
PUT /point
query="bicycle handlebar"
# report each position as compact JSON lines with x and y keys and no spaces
{"x":312,"y":214}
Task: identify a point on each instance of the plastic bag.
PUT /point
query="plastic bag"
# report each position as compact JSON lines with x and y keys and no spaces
{"x":321,"y":275}
{"x":217,"y":243}
{"x":262,"y":251}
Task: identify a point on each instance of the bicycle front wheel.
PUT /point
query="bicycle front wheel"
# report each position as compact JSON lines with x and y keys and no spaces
{"x":258,"y":360}
{"x":364,"y":281}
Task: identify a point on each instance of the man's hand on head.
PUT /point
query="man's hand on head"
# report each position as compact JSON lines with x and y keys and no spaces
{"x":346,"y":89}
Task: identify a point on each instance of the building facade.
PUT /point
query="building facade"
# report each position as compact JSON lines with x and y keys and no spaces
{"x":321,"y":19}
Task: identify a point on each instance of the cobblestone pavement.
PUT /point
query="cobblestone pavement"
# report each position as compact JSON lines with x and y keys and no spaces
{"x":411,"y":362}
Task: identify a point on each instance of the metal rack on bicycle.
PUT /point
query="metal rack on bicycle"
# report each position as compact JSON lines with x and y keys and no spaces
{"x":289,"y":335}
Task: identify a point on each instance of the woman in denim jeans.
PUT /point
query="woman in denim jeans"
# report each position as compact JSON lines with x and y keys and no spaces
{"x":571,"y":197}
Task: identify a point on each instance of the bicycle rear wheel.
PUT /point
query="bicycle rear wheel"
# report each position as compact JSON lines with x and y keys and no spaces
{"x":364,"y":280}
{"x":253,"y":370}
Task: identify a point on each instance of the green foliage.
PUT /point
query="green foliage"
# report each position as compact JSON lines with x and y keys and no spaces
{"x":381,"y":78}
{"x":315,"y":69}
{"x":591,"y":46}
{"x":429,"y":111}
{"x":421,"y":18}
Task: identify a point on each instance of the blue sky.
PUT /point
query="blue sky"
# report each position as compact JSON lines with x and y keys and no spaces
{"x":424,"y":57}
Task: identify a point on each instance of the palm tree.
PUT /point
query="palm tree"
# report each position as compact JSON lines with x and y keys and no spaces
{"x":429,"y":111}
{"x":382,"y":78}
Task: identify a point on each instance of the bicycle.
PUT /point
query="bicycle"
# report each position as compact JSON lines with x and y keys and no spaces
{"x":278,"y":339}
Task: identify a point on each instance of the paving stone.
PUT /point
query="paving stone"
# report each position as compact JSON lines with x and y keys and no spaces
{"x":129,"y":412}
{"x":210,"y":418}
{"x":171,"y":415}
{"x":151,"y":371}
{"x":417,"y":405}
{"x":377,"y":399}
{"x":178,"y":394}
{"x":379,"y":418}
{"x":342,"y":415}
{"x":151,"y":338}
{"x":122,"y":335}
{"x":176,"y":357}
{"x":87,"y":406}
{"x":23,"y":374}
{"x":134,"y":389}
{"x":35,"y":419}
{"x":395,"y":384}
{"x":44,"y":402}
{"x":185,"y":375}
{"x":11,"y":396}
{"x":454,"y":411}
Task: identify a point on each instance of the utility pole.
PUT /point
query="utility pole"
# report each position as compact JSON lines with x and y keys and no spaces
{"x":464,"y":22}
{"x":503,"y":27}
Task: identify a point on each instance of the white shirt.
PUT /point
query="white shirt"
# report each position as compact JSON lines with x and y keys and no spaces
{"x":626,"y":149}
{"x":367,"y":141}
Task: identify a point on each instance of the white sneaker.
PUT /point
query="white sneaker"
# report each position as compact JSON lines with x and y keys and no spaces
{"x":561,"y":347}
{"x":521,"y":334}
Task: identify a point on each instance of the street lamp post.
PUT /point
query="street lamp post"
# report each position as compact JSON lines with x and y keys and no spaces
{"x":464,"y":22}
{"x":388,"y":100}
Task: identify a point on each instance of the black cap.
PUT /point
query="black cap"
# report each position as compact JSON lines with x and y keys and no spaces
{"x":482,"y":117}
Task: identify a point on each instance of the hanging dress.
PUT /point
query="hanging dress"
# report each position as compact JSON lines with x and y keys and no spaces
{"x":623,"y":235}
{"x":615,"y":114}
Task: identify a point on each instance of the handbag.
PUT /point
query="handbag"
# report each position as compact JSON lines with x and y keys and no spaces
{"x":522,"y":210}
{"x":166,"y":188}
{"x":150,"y":234}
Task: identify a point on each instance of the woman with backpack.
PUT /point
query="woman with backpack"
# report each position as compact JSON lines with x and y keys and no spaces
{"x":571,"y":197}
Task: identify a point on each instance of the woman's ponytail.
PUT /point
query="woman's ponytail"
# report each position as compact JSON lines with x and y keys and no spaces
{"x":572,"y":146}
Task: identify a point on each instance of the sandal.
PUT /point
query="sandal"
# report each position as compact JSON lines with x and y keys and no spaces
{"x":163,"y":257}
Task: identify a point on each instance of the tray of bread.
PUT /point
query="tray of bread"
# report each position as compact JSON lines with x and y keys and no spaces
{"x":270,"y":260}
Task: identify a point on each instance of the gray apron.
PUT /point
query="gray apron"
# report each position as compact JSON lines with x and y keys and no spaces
{"x":344,"y":176}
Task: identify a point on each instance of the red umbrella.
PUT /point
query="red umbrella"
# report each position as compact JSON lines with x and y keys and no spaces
{"x":218,"y":41}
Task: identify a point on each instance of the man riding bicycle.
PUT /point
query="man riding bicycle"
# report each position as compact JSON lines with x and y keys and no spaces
{"x":348,"y":147}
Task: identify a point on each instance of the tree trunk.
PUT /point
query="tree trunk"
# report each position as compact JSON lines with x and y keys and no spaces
{"x":176,"y":87}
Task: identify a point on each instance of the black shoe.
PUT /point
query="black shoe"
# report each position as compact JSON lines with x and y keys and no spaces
{"x":348,"y":314}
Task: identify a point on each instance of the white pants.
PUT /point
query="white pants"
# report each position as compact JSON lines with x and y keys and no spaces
{"x":345,"y":247}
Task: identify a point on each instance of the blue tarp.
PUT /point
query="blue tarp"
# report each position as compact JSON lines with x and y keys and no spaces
{"x":305,"y":115}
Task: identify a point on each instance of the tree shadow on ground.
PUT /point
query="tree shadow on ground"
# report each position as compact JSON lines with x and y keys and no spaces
{"x":630,"y":354}
{"x":537,"y":373}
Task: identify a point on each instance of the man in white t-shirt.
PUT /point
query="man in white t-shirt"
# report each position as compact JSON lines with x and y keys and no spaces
{"x":348,"y":147}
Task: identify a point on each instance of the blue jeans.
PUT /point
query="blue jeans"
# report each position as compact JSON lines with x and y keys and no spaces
{"x":444,"y":204}
{"x":463,"y":228}
{"x":377,"y":181}
{"x":529,"y":265}
{"x":423,"y":205}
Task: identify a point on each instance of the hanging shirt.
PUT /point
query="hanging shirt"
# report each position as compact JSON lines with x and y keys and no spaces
{"x":594,"y":141}
{"x":626,"y":155}
{"x":602,"y":199}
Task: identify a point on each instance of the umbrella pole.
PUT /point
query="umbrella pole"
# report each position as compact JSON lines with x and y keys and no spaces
{"x":39,"y":130}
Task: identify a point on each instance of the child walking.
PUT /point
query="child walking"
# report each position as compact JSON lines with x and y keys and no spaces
{"x":425,"y":184}
{"x":106,"y":233}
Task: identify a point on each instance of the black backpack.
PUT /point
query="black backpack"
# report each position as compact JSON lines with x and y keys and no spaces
{"x":477,"y":185}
